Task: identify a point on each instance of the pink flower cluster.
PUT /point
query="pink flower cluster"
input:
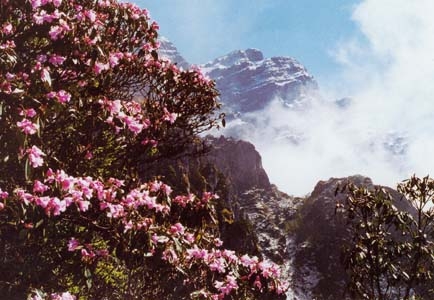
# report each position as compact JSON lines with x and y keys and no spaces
{"x":56,"y":60}
{"x":169,"y":117}
{"x":7,"y":28}
{"x":63,"y":296}
{"x":54,"y":296}
{"x":226,"y":287}
{"x":221,"y":260}
{"x":61,"y":96}
{"x":27,"y":127}
{"x":198,"y":203}
{"x":130,"y":114}
{"x":40,"y":17}
{"x":100,"y":67}
{"x":80,"y":191}
{"x":35,"y":156}
{"x":39,"y":3}
{"x":58,"y":31}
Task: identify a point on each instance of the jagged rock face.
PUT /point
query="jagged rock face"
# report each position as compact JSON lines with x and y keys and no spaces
{"x":168,"y":50}
{"x":248,"y":82}
{"x":239,"y":162}
{"x":270,"y":212}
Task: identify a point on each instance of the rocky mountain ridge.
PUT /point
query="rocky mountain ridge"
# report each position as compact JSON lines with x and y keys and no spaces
{"x":248,"y":82}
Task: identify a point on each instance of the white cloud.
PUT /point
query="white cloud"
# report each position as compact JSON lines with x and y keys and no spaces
{"x":389,"y":74}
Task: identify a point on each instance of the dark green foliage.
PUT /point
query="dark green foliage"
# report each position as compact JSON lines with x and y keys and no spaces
{"x":390,"y":252}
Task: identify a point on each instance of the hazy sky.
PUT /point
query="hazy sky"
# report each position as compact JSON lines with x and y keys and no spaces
{"x":379,"y":52}
{"x":305,"y":29}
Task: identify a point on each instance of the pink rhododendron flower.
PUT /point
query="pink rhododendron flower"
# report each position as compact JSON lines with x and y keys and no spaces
{"x":63,"y":96}
{"x":282,"y":287}
{"x":57,"y":60}
{"x":28,"y":127}
{"x":3,"y":195}
{"x":155,"y":186}
{"x":8,"y":45}
{"x":178,"y":228}
{"x":39,"y":187}
{"x":155,"y":26}
{"x":218,"y":264}
{"x":166,"y":189}
{"x":99,"y":67}
{"x":159,"y":239}
{"x":258,"y":283}
{"x":55,"y":32}
{"x":35,"y":156}
{"x":41,"y":58}
{"x":56,"y":206}
{"x":83,"y":205}
{"x":7,"y":28}
{"x":189,"y":238}
{"x":30,"y":112}
{"x":91,"y":15}
{"x":248,"y":261}
{"x":115,"y":106}
{"x":35,"y":3}
{"x":57,"y":3}
{"x":169,"y":117}
{"x":197,"y":253}
{"x":10,"y":76}
{"x":133,"y":125}
{"x":26,"y":198}
{"x":218,"y":242}
{"x":226,"y":287}
{"x":87,"y":254}
{"x":63,"y":296}
{"x":73,"y":244}
{"x":42,"y":201}
{"x":114,"y":58}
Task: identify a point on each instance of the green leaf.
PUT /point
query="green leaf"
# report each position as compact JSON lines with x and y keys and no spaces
{"x":39,"y":223}
{"x":27,"y":170}
{"x":89,"y":283}
{"x":87,"y":273}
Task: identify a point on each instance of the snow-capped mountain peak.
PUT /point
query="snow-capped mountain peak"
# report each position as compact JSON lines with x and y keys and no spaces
{"x":168,"y":50}
{"x":249,"y":82}
{"x":236,"y":57}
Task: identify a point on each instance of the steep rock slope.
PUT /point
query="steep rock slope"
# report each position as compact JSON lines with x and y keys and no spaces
{"x":240,"y":163}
